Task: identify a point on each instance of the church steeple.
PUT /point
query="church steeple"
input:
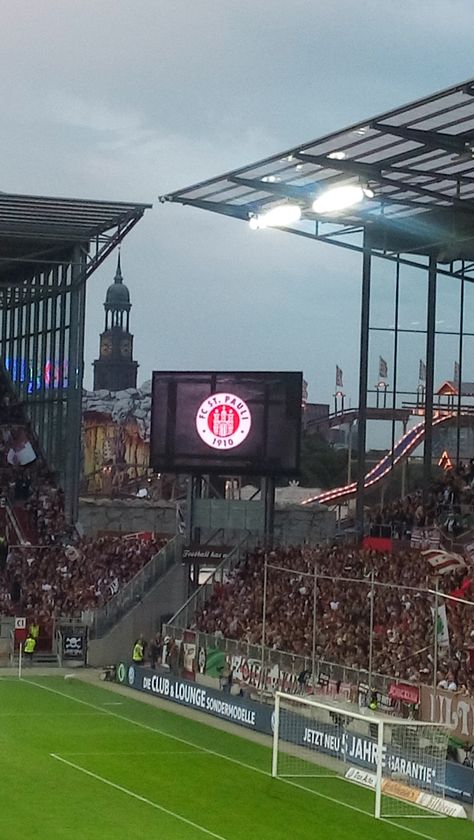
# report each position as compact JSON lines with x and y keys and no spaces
{"x":115,"y":369}
{"x":118,"y":274}
{"x":117,"y":302}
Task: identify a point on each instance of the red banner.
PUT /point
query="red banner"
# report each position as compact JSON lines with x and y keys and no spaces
{"x":405,"y":692}
{"x":377,"y":543}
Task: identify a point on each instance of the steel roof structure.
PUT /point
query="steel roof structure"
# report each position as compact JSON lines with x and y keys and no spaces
{"x":416,"y":166}
{"x":37,"y":230}
{"x":418,"y":160}
{"x":49,"y":247}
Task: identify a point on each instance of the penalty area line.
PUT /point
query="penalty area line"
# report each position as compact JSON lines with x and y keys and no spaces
{"x":136,"y":796}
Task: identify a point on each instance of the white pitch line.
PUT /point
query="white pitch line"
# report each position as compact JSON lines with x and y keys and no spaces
{"x":149,"y":728}
{"x":225,"y":757}
{"x":109,"y":754}
{"x":137,"y":796}
{"x":101,"y":713}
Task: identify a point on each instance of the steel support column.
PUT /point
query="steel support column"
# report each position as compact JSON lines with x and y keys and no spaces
{"x":430,"y":364}
{"x":75,"y":377}
{"x":195,"y":486}
{"x":268,"y":495}
{"x":460,"y":363}
{"x":363,"y":380}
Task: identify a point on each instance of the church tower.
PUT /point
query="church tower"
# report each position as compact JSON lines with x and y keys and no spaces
{"x":115,"y":369}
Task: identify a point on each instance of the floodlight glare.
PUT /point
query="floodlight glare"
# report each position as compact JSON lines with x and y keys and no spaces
{"x":279,"y":216}
{"x":339,"y":198}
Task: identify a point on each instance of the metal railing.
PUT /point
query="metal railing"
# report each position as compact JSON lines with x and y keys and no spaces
{"x":290,"y":663}
{"x":12,"y":521}
{"x":59,"y":647}
{"x":102,"y":619}
{"x":186,"y":612}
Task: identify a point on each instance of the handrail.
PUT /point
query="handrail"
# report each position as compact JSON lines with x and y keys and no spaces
{"x":103,"y":618}
{"x":59,"y":647}
{"x":12,"y":646}
{"x":13,"y":521}
{"x":192,"y":602}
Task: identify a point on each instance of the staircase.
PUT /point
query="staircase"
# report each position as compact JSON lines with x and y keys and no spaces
{"x":145,"y":607}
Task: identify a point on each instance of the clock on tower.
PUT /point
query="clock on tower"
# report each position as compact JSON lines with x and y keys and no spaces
{"x":115,"y":369}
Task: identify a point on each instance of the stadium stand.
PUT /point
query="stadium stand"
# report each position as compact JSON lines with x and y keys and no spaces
{"x":449,"y":504}
{"x":403,"y":618}
{"x":46,"y":569}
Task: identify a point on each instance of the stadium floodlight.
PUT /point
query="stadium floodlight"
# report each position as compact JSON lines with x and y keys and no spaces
{"x":279,"y":216}
{"x":340,"y":198}
{"x":402,"y":761}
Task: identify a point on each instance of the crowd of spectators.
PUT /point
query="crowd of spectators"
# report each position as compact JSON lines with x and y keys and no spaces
{"x":48,"y":571}
{"x":68,"y":579}
{"x":448,"y":505}
{"x":403,"y":626}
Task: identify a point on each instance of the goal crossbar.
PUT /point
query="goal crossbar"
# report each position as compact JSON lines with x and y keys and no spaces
{"x":340,"y":709}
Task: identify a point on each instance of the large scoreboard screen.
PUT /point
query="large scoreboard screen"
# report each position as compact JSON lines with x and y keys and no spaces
{"x":230,"y":423}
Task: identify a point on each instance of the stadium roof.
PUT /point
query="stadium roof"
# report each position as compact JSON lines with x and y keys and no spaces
{"x":417,"y":160}
{"x":42,"y":229}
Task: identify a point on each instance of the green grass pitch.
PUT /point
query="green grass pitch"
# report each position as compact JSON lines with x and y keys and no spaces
{"x":78,"y":761}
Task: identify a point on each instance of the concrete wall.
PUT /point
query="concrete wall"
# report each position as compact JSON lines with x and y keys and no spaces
{"x":163,"y":599}
{"x":126,"y":516}
{"x":294,"y":524}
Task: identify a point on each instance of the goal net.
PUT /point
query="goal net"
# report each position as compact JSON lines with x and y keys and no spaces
{"x":401,"y":763}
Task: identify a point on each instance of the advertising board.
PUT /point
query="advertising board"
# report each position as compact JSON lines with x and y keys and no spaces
{"x":449,"y":708}
{"x":239,"y":710}
{"x":74,"y":645}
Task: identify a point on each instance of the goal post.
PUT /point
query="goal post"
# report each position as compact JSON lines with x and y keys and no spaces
{"x":401,"y":763}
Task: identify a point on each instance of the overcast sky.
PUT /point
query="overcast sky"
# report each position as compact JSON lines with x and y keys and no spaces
{"x":113,"y":99}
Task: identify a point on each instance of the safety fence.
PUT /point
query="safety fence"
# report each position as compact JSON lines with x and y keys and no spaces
{"x":261,"y":664}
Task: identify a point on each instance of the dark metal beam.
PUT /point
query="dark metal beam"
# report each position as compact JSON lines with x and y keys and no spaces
{"x":430,"y":139}
{"x":374,"y":173}
{"x":281,"y":189}
{"x":430,"y":365}
{"x":217,"y":207}
{"x":363,"y":383}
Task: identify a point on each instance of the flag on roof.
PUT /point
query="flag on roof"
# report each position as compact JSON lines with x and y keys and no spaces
{"x":383,"y":368}
{"x":338,"y":377}
{"x":422,"y":371}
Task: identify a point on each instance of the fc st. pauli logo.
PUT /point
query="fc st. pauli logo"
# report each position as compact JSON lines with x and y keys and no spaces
{"x":223,"y":421}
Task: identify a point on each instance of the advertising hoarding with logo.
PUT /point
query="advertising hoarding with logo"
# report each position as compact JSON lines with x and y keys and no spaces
{"x":231,"y":423}
{"x":239,"y":710}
